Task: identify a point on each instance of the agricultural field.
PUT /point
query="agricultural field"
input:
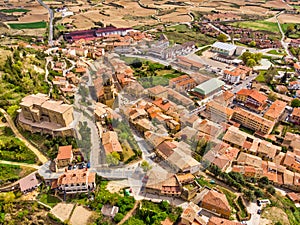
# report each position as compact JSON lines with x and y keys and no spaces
{"x":14,"y":10}
{"x":34,"y":25}
{"x":11,"y":173}
{"x":258,"y":25}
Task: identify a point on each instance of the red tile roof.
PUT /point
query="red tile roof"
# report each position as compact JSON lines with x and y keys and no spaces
{"x":64,"y":152}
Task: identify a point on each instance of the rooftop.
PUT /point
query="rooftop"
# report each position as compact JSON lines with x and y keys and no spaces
{"x":64,"y":152}
{"x":28,"y":182}
{"x":209,"y":86}
{"x":225,"y":46}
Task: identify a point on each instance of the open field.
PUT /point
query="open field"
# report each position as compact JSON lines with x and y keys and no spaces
{"x":34,"y":25}
{"x":275,"y":214}
{"x":80,"y":216}
{"x":289,"y":18}
{"x":14,"y":10}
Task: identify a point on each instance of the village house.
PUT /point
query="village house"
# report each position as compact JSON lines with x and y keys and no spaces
{"x":28,"y":183}
{"x":157,"y":92}
{"x":252,"y":121}
{"x":248,"y":171}
{"x":291,"y":141}
{"x":40,"y":114}
{"x":217,"y":221}
{"x":216,"y":202}
{"x":191,"y":215}
{"x":111,"y":142}
{"x":297,"y":67}
{"x":294,"y":85}
{"x":245,"y":159}
{"x":292,"y":161}
{"x":75,"y":181}
{"x":180,"y":99}
{"x":253,"y":99}
{"x":64,"y":156}
{"x":295,"y":116}
{"x":275,"y":111}
{"x":182,"y":83}
{"x":225,"y":98}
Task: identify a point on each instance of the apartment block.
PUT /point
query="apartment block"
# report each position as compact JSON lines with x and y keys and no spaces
{"x":252,"y":121}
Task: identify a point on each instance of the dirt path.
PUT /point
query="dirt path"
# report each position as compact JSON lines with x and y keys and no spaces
{"x":129,"y":214}
{"x":40,"y":156}
{"x":35,"y":166}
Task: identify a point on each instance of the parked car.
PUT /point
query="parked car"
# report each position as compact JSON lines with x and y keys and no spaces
{"x":259,"y":211}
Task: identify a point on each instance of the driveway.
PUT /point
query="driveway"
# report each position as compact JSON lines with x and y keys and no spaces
{"x":255,"y":218}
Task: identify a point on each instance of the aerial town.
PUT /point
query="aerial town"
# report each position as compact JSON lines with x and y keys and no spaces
{"x":150,"y":112}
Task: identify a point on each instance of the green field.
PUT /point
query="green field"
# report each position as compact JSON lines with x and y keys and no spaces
{"x":49,"y":199}
{"x":275,"y":52}
{"x":34,"y":25}
{"x":260,"y":78}
{"x":14,"y":10}
{"x":258,"y":25}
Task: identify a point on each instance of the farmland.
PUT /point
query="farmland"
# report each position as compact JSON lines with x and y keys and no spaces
{"x":33,"y":25}
{"x":14,"y":10}
{"x":258,"y":25}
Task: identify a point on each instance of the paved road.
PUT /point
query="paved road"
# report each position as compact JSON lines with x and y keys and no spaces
{"x":35,"y":166}
{"x":40,"y":155}
{"x":51,"y":15}
{"x":255,"y":218}
{"x":48,"y":60}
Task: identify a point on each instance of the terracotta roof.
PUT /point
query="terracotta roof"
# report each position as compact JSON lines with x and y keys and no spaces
{"x":276,"y":109}
{"x":163,"y":104}
{"x":217,"y":199}
{"x":76,"y":177}
{"x":261,"y":98}
{"x":110,"y":142}
{"x":157,"y":90}
{"x":220,"y":221}
{"x":64,"y":152}
{"x":296,"y":112}
{"x":297,"y":66}
{"x":294,"y":196}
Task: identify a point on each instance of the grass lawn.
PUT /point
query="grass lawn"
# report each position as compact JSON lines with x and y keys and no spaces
{"x":60,"y":27}
{"x":284,"y":27}
{"x":275,"y":52}
{"x":127,"y":153}
{"x":14,"y":10}
{"x":258,"y":25}
{"x":260,"y":78}
{"x":148,"y":82}
{"x":33,"y":25}
{"x":243,"y":212}
{"x":49,"y":199}
{"x":203,"y":182}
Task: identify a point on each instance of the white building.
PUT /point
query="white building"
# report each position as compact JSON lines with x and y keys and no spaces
{"x":223,"y":48}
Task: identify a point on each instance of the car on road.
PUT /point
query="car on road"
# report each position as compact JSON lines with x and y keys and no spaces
{"x":259,"y":211}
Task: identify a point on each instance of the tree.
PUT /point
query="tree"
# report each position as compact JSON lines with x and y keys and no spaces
{"x":222,"y":37}
{"x":252,"y":44}
{"x":271,"y":190}
{"x":113,"y":158}
{"x":263,"y":181}
{"x":258,"y":193}
{"x":272,"y":96}
{"x":145,"y":166}
{"x":251,"y":62}
{"x":295,"y":103}
{"x":248,"y":195}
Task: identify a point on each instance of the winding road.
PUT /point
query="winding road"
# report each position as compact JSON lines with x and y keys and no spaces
{"x":51,"y":16}
{"x":12,"y":125}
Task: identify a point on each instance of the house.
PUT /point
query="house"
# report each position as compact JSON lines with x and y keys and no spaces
{"x":221,"y":221}
{"x":191,"y":216}
{"x":294,"y":85}
{"x":64,"y":156}
{"x":28,"y":183}
{"x":294,"y":197}
{"x":281,"y":89}
{"x":76,"y":181}
{"x":245,"y":159}
{"x":297,"y":67}
{"x":275,"y":111}
{"x":253,"y":99}
{"x":248,"y":171}
{"x":180,"y":99}
{"x":111,"y":143}
{"x":187,"y":63}
{"x":225,"y":98}
{"x":223,"y":48}
{"x":216,"y":202}
{"x":239,"y":73}
{"x":291,"y":141}
{"x":292,"y":161}
{"x":208,"y":88}
{"x":157,"y":92}
{"x":295,"y":116}
{"x":40,"y":114}
{"x":182,"y":83}
{"x":252,"y":121}
{"x":110,"y":211}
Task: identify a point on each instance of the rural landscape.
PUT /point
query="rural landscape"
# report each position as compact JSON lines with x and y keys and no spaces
{"x":142,"y":112}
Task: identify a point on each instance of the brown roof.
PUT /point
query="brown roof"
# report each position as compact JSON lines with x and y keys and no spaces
{"x":76,"y":177}
{"x":167,"y":148}
{"x":276,"y":109}
{"x":28,"y":182}
{"x":293,"y":196}
{"x":296,"y":112}
{"x":217,"y":199}
{"x":110,"y":142}
{"x":64,"y":152}
{"x":157,"y":90}
{"x":253,"y":94}
{"x":220,"y":221}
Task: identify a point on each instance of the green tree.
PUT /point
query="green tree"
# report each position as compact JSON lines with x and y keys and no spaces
{"x":272,"y":96}
{"x":271,"y":190}
{"x":248,"y":194}
{"x":251,"y":62}
{"x":252,"y":44}
{"x":145,"y":166}
{"x":113,"y":158}
{"x":295,"y":103}
{"x":222,"y":37}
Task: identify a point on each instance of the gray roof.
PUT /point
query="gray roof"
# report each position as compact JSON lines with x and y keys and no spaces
{"x":209,"y":86}
{"x":225,"y":46}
